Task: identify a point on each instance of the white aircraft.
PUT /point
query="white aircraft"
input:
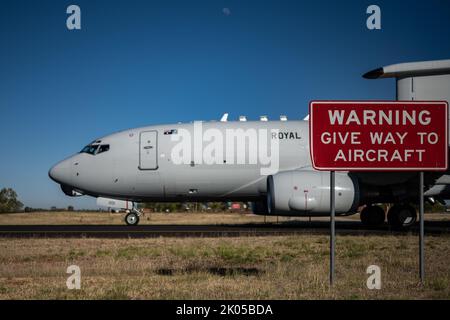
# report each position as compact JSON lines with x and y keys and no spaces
{"x":265,"y":162}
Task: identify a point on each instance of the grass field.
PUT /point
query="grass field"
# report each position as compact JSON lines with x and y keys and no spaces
{"x":278,"y":267}
{"x":85,"y":218}
{"x":82,"y":218}
{"x":270,"y":267}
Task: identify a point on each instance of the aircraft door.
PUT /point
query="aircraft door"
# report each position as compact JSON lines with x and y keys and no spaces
{"x":148,"y":150}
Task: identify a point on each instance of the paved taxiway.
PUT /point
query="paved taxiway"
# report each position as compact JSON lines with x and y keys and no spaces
{"x":229,"y":230}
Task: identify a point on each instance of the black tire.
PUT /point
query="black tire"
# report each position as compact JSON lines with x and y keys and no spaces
{"x":364,"y":215}
{"x":377,"y":215}
{"x":372,"y":216}
{"x":402,"y":216}
{"x":392,"y":217}
{"x":132,"y":219}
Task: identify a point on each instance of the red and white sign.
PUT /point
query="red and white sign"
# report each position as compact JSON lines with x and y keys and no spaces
{"x":236,"y":206}
{"x":378,"y":135}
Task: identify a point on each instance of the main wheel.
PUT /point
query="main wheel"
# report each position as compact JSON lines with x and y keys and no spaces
{"x":132,"y":219}
{"x":402,"y":216}
{"x":372,"y":216}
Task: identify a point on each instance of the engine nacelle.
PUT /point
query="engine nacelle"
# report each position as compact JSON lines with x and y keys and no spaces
{"x":308,"y":193}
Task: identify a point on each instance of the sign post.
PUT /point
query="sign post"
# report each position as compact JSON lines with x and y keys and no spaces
{"x":388,"y":136}
{"x":332,"y":225}
{"x":422,"y":230}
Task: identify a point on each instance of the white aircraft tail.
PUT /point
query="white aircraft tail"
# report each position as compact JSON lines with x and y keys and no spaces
{"x":424,"y":80}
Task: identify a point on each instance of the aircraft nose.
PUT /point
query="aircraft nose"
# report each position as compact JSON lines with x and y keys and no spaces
{"x":60,"y":172}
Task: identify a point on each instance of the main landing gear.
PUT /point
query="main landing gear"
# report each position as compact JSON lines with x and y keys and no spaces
{"x":132,"y":218}
{"x":372,"y":216}
{"x":402,"y":216}
{"x":398,"y":216}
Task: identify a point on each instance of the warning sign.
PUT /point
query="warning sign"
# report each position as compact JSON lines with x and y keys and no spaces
{"x":378,"y":135}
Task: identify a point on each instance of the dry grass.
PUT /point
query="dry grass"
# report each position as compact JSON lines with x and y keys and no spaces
{"x":85,"y":218}
{"x":278,"y":267}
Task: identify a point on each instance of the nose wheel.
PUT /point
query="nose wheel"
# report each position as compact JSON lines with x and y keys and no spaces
{"x":132,"y":218}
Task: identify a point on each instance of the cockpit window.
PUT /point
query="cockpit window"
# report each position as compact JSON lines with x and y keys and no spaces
{"x":103,"y":148}
{"x":90,"y":149}
{"x":95,"y":149}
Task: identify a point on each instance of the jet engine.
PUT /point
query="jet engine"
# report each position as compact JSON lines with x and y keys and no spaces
{"x":308,"y":193}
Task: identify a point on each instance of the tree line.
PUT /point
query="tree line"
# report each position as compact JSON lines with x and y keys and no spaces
{"x":190,"y":206}
{"x":9,"y":201}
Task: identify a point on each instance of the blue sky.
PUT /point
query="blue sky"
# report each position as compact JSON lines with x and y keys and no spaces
{"x":137,"y":63}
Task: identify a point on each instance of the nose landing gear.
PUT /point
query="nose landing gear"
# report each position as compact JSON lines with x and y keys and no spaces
{"x":132,"y":218}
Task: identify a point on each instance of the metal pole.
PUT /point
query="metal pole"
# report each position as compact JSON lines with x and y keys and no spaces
{"x":422,"y":230}
{"x":332,"y":225}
